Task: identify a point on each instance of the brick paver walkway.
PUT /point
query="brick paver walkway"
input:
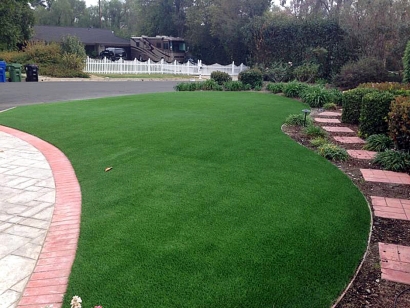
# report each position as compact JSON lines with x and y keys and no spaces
{"x":349,"y":139}
{"x":49,"y":266}
{"x":361,"y":154}
{"x":391,"y":207}
{"x":326,"y":120}
{"x":373,"y":175}
{"x":333,"y":129}
{"x":395,"y":262}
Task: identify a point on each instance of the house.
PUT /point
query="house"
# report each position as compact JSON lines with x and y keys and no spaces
{"x":95,"y":40}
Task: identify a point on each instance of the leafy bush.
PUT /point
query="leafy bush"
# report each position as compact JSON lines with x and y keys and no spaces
{"x":378,"y":143}
{"x":73,"y":46}
{"x":307,"y":72}
{"x":393,"y":160}
{"x":253,"y":77}
{"x":333,"y":152}
{"x":275,"y":87}
{"x":186,"y":86}
{"x":220,"y":77}
{"x":298,"y":120}
{"x":330,"y":106}
{"x":364,"y":70}
{"x":294,"y":88}
{"x":316,"y":96}
{"x":336,"y":96}
{"x":278,"y":72}
{"x":374,"y":112}
{"x":352,"y":104}
{"x":209,"y":85}
{"x":315,"y":131}
{"x":258,"y":88}
{"x":319,"y":141}
{"x":399,"y":123}
{"x":234,"y":86}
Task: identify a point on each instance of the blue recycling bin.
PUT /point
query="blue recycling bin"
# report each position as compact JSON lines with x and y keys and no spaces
{"x":2,"y":71}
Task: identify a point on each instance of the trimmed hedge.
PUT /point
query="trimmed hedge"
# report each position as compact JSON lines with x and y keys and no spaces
{"x":221,"y":77}
{"x":374,"y":112}
{"x":352,"y":104}
{"x":253,"y":77}
{"x":399,"y":123}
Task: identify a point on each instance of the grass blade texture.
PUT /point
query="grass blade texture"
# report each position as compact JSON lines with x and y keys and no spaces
{"x":208,"y":203}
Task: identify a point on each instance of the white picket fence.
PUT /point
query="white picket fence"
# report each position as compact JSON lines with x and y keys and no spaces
{"x":106,"y":66}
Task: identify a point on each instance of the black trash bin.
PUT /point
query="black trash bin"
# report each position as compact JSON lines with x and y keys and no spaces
{"x":31,"y":72}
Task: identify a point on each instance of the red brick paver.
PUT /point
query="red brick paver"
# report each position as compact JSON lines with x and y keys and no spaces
{"x":391,"y":208}
{"x":48,"y":283}
{"x":395,"y":262}
{"x":325,"y":120}
{"x":361,"y":154}
{"x":373,"y":175}
{"x":349,"y":139}
{"x":329,"y":114}
{"x":334,"y":129}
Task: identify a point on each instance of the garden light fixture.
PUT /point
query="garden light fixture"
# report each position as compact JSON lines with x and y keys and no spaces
{"x":305,"y":111}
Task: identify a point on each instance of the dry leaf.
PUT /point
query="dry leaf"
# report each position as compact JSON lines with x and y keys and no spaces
{"x":108,"y":169}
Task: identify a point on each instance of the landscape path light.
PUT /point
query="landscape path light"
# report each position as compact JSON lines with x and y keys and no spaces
{"x":305,"y":111}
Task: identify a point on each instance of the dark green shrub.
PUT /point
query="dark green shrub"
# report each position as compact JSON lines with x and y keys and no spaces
{"x":333,"y":152}
{"x":209,"y":85}
{"x":294,"y":88}
{"x":392,"y":160}
{"x":253,"y":77}
{"x":374,"y":112}
{"x":315,"y":131}
{"x":275,"y":87}
{"x":352,"y":104}
{"x":186,"y":86}
{"x":220,"y":77}
{"x":258,"y":88}
{"x":278,"y":72}
{"x":364,"y":70}
{"x":298,"y":120}
{"x":319,"y":141}
{"x":234,"y":86}
{"x":307,"y":72}
{"x":378,"y":143}
{"x":399,"y":123}
{"x":316,"y":96}
{"x":330,"y":106}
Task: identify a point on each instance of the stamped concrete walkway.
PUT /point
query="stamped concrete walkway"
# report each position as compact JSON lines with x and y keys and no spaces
{"x":40,"y":206}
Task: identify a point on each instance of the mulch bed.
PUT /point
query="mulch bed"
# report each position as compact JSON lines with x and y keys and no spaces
{"x":367,"y":288}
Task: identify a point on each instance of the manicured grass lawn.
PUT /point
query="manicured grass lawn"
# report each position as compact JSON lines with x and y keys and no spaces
{"x":208,"y":203}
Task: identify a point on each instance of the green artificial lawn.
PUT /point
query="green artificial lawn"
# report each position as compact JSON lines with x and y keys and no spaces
{"x":208,"y":203}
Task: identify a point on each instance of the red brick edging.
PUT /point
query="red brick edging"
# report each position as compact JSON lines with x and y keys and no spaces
{"x":48,"y":282}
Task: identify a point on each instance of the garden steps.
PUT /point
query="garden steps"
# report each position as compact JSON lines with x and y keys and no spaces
{"x":349,"y":139}
{"x":329,"y":114}
{"x":395,"y":262}
{"x":391,"y":207}
{"x":362,"y":154}
{"x":327,"y":120}
{"x":383,"y":176}
{"x":335,"y":129}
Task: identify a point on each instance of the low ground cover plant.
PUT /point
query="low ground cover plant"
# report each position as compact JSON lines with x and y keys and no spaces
{"x":393,"y":160}
{"x":315,"y":131}
{"x":294,"y":89}
{"x":316,"y":96}
{"x":378,"y":143}
{"x":298,"y":120}
{"x":275,"y":87}
{"x":333,"y":152}
{"x":318,"y":141}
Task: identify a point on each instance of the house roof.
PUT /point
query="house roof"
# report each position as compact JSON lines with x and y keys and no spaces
{"x":88,"y":36}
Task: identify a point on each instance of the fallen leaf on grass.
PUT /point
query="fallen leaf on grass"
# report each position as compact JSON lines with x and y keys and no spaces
{"x":108,"y":169}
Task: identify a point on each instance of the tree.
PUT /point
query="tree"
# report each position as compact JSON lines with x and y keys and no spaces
{"x":406,"y":64}
{"x":16,"y":20}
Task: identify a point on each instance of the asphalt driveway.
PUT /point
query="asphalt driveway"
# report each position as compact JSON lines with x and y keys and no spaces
{"x":14,"y":94}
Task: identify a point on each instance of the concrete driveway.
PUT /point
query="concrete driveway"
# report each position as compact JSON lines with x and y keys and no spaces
{"x":14,"y":94}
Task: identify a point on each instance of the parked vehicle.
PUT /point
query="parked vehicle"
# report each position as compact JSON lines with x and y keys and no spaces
{"x":159,"y":47}
{"x":113,"y":53}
